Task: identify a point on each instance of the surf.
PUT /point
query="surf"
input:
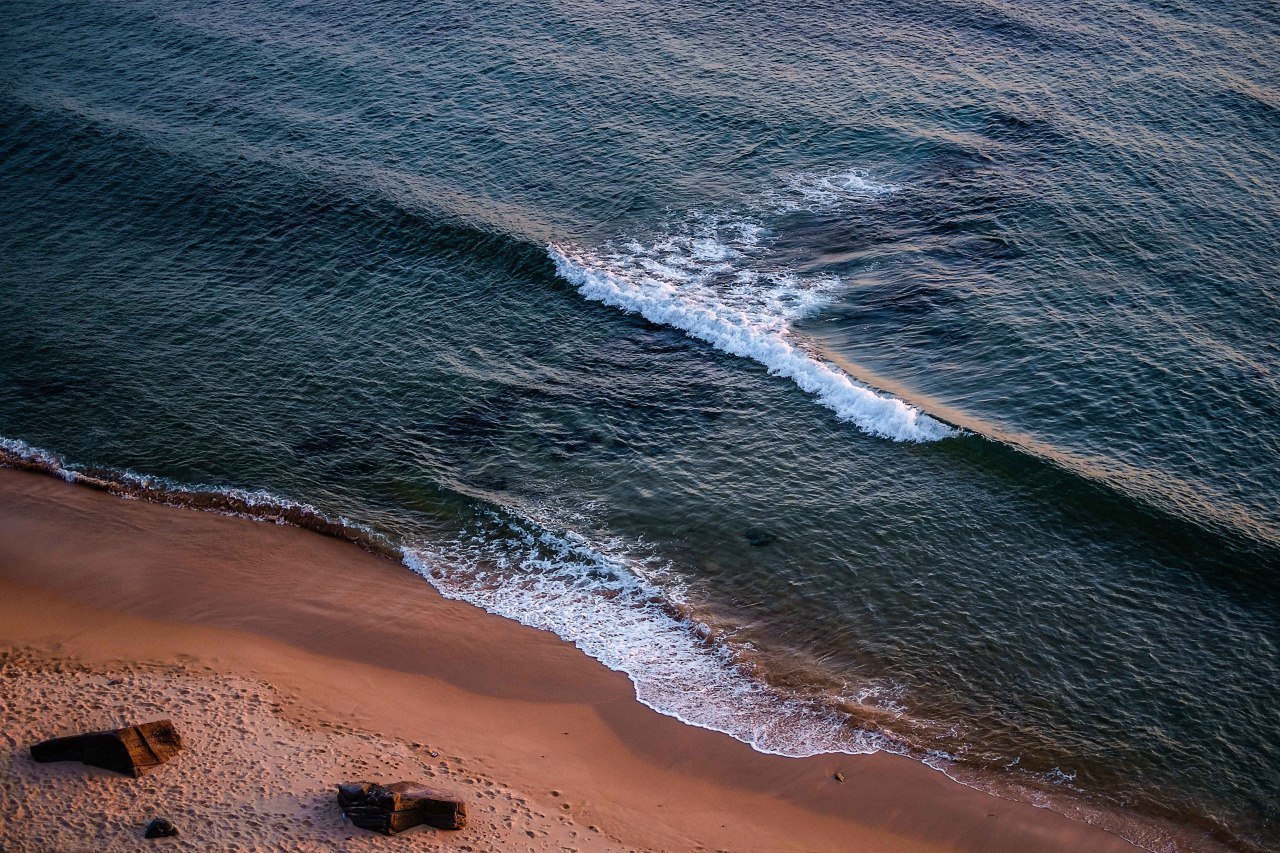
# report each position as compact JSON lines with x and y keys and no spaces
{"x":709,"y":282}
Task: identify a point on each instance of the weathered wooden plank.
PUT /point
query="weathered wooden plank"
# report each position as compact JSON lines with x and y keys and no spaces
{"x":394,"y":808}
{"x":132,"y":750}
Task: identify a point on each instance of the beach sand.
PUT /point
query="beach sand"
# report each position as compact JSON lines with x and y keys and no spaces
{"x":291,"y":662}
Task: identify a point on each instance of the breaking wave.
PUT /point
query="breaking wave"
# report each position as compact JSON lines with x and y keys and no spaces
{"x":621,"y":608}
{"x":713,"y":282}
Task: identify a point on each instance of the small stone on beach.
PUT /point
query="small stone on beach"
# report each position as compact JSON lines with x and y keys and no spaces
{"x":160,"y":828}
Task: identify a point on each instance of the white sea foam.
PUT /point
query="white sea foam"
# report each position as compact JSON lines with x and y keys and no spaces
{"x":42,"y":458}
{"x":710,"y":281}
{"x":819,"y":190}
{"x":597,"y":596}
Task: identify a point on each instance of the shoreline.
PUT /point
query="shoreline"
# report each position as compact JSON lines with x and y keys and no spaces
{"x":93,"y":582}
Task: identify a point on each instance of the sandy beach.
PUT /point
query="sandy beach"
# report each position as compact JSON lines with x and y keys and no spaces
{"x":291,"y":662}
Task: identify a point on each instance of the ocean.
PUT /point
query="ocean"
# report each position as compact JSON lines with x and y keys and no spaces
{"x":853,"y":376}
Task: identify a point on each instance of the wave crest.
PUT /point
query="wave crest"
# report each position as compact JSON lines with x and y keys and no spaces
{"x":704,"y":283}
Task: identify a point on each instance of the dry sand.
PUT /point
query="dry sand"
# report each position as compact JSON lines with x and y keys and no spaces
{"x":291,"y":662}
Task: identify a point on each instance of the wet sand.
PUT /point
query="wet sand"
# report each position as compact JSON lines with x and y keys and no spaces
{"x":293,"y":661}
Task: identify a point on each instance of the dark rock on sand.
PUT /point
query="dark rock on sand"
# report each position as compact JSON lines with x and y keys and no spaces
{"x":394,"y":808}
{"x":132,"y":750}
{"x":160,"y":828}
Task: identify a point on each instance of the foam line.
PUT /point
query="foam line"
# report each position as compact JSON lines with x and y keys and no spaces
{"x":595,"y":596}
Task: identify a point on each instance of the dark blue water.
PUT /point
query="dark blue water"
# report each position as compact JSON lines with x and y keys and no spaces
{"x":855,"y":376}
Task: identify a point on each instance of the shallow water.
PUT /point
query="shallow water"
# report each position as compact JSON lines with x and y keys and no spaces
{"x":893,"y":376}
